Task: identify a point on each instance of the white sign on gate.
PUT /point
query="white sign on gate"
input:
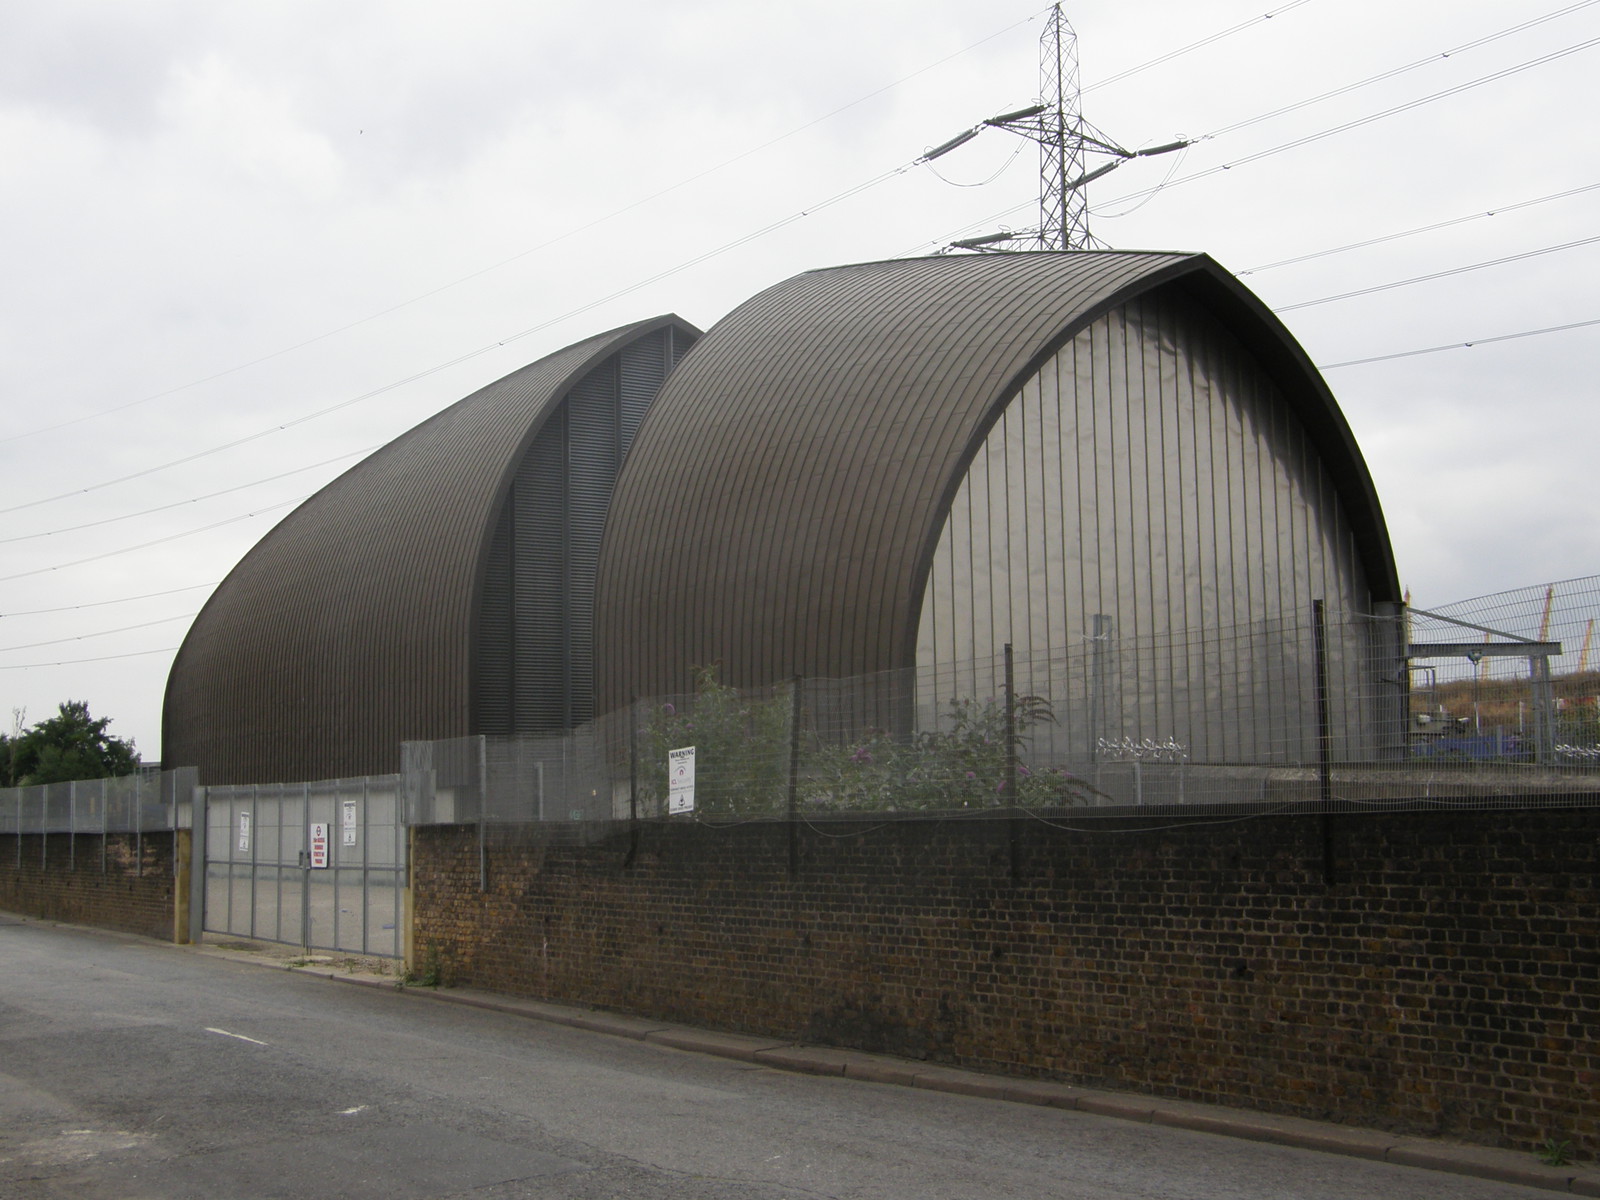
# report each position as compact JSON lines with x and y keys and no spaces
{"x":680,"y":780}
{"x":244,"y":832}
{"x":319,"y":845}
{"x":350,"y":823}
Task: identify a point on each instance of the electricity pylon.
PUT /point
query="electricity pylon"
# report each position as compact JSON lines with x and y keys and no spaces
{"x":1066,"y":144}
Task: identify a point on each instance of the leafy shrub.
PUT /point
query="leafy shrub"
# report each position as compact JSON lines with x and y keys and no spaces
{"x":742,"y":749}
{"x":961,"y":764}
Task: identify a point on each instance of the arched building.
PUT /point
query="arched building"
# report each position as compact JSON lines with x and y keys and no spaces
{"x":906,"y":465}
{"x":442,"y":587}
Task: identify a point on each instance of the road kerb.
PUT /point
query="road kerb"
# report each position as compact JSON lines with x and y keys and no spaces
{"x":1295,"y":1132}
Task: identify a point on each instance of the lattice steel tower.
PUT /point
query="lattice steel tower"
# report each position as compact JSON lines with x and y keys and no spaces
{"x":1066,"y":141}
{"x":1063,"y":211}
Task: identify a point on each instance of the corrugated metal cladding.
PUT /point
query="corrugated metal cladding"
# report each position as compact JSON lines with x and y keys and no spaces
{"x":536,"y":636}
{"x":783,"y":503}
{"x":352,"y":625}
{"x":1150,"y":479}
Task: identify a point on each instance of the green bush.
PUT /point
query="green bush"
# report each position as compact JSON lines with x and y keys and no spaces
{"x":742,"y":750}
{"x":962,"y":764}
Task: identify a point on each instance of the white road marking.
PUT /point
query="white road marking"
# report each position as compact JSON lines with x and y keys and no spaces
{"x":346,"y":1112}
{"x":240,"y":1036}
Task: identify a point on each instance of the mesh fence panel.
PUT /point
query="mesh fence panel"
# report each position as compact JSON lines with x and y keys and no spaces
{"x":139,"y":803}
{"x":1524,"y":683}
{"x":1323,"y":710}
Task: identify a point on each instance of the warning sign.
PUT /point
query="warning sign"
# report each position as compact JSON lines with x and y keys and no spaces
{"x":351,"y":822}
{"x":680,"y":780}
{"x":319,"y":845}
{"x":244,"y":833}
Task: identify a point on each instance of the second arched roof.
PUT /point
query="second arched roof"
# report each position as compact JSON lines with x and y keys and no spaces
{"x":350,"y":625}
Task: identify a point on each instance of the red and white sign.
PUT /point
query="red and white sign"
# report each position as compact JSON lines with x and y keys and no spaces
{"x":319,"y":845}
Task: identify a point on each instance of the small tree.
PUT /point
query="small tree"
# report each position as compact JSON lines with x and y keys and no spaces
{"x":70,"y":745}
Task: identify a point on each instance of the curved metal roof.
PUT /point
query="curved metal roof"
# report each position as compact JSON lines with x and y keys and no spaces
{"x":350,"y":626}
{"x":784,"y":496}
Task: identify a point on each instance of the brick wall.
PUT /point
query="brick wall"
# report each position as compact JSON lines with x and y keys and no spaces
{"x":61,"y":877}
{"x":1446,"y":982}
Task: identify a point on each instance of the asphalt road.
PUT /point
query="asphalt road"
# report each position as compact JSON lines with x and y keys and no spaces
{"x":139,"y":1071}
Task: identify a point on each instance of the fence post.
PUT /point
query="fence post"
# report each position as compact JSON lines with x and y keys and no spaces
{"x":795,"y":696}
{"x":72,"y":825}
{"x":1319,"y":632}
{"x":1013,"y":822}
{"x":305,"y":866}
{"x":633,"y":780}
{"x":483,"y":811}
{"x":105,"y":821}
{"x":193,"y":863}
{"x":138,"y":822}
{"x":1544,"y":716}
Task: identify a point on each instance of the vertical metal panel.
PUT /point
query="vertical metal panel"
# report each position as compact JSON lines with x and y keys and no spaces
{"x":642,"y":367}
{"x":594,"y":453}
{"x":537,"y":664}
{"x":1151,"y":391}
{"x":539,"y":580}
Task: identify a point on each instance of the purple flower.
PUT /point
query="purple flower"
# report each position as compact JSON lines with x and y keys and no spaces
{"x":972,"y":774}
{"x":669,"y":710}
{"x":863,"y":755}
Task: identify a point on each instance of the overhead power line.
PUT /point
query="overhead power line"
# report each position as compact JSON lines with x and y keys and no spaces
{"x":72,"y":662}
{"x":1504,"y":337}
{"x":1358,"y":122}
{"x":1391,"y":237}
{"x":1182,"y":50}
{"x":1429,"y":60}
{"x":38,"y":612}
{"x":146,"y":545}
{"x":1398,"y":283}
{"x":24,"y":537}
{"x":100,"y":633}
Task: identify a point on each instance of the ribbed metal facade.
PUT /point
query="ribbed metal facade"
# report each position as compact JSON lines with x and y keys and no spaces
{"x":355,"y":623}
{"x":1148,"y":487}
{"x":785,"y":499}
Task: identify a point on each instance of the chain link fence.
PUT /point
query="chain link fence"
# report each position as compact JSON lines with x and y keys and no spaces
{"x":1518,"y":676}
{"x":1326,"y":711}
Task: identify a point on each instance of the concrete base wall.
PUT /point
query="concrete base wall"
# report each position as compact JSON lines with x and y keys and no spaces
{"x":115,"y":881}
{"x":1447,"y":980}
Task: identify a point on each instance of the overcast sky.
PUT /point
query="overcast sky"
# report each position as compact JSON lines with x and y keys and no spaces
{"x":247,"y":243}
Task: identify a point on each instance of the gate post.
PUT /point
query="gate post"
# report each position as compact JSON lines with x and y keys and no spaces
{"x":189,"y":860}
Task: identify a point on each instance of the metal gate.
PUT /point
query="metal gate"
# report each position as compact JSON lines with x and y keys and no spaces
{"x":319,"y":865}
